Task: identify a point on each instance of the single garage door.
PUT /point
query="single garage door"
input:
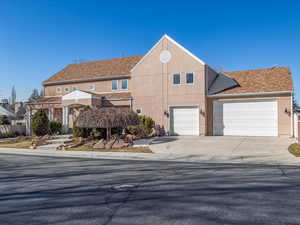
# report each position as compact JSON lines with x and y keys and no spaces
{"x":245,"y":118}
{"x":185,"y":121}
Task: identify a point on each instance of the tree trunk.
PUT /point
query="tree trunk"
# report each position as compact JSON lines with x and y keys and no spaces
{"x":108,"y":133}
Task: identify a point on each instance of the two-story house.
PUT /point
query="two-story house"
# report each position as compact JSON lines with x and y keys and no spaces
{"x":179,"y":91}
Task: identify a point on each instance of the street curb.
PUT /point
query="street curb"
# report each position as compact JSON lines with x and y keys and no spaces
{"x":132,"y":156}
{"x":75,"y":154}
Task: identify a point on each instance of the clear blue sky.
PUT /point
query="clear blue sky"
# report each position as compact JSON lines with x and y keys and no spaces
{"x":38,"y":38}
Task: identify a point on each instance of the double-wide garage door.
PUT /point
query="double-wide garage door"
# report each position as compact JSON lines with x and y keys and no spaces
{"x":245,"y":118}
{"x":185,"y":121}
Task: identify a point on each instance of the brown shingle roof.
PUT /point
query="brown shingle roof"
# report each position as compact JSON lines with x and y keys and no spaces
{"x":97,"y":69}
{"x":111,"y":95}
{"x":261,"y":80}
{"x":46,"y":100}
{"x":117,"y":95}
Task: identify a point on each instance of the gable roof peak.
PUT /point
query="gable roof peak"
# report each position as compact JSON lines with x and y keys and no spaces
{"x":165,"y":36}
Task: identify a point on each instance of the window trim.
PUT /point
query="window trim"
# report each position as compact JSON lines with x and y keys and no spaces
{"x":173,"y":75}
{"x":112,"y":85}
{"x":126,"y":84}
{"x":193,"y":78}
{"x":58,"y":90}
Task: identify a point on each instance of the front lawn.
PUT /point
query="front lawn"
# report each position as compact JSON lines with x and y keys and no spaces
{"x":27,"y":141}
{"x":16,"y":143}
{"x":89,"y":147}
{"x":294,"y":149}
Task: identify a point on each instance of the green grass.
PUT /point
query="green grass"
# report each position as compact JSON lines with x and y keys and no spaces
{"x":295,"y":149}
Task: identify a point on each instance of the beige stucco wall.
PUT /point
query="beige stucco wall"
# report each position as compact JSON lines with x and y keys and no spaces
{"x":153,"y":90}
{"x":100,"y":86}
{"x":284,"y":119}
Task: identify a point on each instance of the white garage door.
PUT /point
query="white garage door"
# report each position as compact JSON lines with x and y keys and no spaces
{"x":245,"y":118}
{"x":185,"y":121}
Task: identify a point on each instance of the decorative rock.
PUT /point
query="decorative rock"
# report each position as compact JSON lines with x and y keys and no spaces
{"x":119,"y":144}
{"x":100,"y":144}
{"x":110,"y":143}
{"x":129,"y":139}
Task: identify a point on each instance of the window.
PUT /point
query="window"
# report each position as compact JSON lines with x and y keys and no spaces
{"x":114,"y":85}
{"x":66,"y":89}
{"x":139,"y":111}
{"x":176,"y":78}
{"x":189,"y":78}
{"x":92,"y":87}
{"x":73,"y":88}
{"x":124,"y":84}
{"x":58,"y":90}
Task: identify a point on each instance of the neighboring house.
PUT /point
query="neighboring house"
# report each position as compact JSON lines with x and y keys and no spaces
{"x":179,"y":91}
{"x":5,"y":112}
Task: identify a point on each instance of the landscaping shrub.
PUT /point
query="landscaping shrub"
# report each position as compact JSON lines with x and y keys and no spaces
{"x":4,"y":120}
{"x":99,"y":133}
{"x":116,"y":130}
{"x":55,"y":127}
{"x":81,"y":132}
{"x":144,"y":129}
{"x":294,"y":149}
{"x":148,"y":122}
{"x":40,"y":123}
{"x":139,"y":131}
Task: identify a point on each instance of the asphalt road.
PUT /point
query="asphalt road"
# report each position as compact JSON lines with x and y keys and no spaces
{"x":45,"y":190}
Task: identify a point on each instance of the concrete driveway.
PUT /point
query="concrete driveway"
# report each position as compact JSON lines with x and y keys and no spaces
{"x":227,"y":149}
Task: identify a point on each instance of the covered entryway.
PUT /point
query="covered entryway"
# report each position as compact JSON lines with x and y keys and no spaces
{"x":184,"y":121}
{"x":245,"y":117}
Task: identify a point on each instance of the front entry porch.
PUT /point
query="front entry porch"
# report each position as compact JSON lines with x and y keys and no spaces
{"x":66,"y":108}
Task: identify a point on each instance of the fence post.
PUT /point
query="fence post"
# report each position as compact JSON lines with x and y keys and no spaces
{"x":298,"y":130}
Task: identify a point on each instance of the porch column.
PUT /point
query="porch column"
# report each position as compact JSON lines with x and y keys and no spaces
{"x":28,"y":120}
{"x":65,"y":119}
{"x":50,"y":113}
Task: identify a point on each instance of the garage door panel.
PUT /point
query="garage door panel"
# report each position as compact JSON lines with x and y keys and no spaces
{"x":246,"y":118}
{"x":185,"y":121}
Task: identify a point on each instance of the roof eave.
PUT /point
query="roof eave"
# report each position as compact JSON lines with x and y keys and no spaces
{"x":249,"y":94}
{"x":110,"y":77}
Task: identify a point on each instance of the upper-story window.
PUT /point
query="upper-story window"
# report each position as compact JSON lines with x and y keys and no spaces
{"x":73,"y":88}
{"x":58,"y":90}
{"x":124,"y":84}
{"x":189,"y":78}
{"x":92,"y":87}
{"x":114,"y":85}
{"x":176,"y":78}
{"x":66,"y":89}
